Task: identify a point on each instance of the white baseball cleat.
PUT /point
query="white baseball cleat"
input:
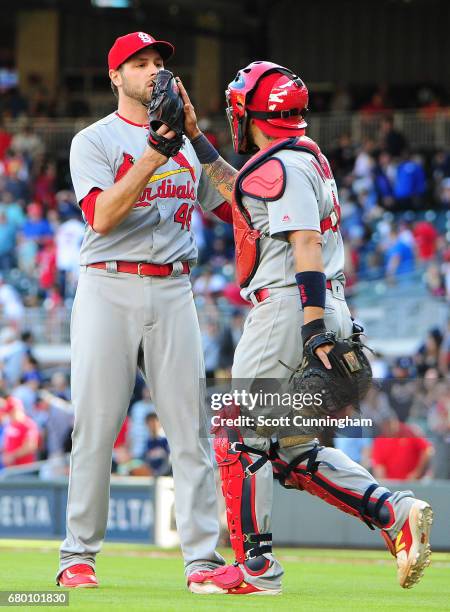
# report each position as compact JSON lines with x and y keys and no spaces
{"x":411,"y":547}
{"x":225,"y":580}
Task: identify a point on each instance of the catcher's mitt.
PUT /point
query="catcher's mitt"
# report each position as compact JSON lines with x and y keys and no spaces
{"x":165,"y":107}
{"x":335,"y":392}
{"x":348,"y":381}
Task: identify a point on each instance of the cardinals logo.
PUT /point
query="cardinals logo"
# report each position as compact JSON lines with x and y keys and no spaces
{"x":128,"y":162}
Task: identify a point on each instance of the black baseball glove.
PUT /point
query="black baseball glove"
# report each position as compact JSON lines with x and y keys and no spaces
{"x":165,"y":107}
{"x":336,"y":392}
{"x":348,"y":381}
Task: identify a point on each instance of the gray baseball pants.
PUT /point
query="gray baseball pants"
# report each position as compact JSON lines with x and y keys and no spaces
{"x":119,"y":322}
{"x":272,"y":333}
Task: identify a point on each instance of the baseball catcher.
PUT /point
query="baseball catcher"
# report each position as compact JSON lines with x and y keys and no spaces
{"x":289,"y":262}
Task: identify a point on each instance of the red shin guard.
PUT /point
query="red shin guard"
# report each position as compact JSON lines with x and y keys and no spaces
{"x":237,"y":468}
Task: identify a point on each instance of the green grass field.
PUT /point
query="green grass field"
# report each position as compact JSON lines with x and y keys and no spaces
{"x":135,"y":577}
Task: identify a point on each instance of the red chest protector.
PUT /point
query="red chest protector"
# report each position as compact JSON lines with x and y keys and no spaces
{"x":264,"y":177}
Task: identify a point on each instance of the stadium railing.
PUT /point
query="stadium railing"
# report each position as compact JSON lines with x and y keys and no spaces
{"x":421,"y":131}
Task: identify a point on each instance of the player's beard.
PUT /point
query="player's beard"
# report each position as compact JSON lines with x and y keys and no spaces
{"x":141,"y":95}
{"x":252,"y":147}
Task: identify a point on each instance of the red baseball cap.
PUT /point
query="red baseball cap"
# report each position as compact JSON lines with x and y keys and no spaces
{"x":126,"y":46}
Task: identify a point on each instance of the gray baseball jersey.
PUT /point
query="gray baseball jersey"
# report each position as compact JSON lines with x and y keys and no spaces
{"x":158,"y":228}
{"x":306,"y":200}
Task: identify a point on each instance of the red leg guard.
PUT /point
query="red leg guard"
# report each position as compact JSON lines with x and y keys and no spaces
{"x":303,"y":474}
{"x":238,"y":487}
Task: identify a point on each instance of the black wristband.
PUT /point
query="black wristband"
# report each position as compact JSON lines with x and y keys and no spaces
{"x":204,"y":150}
{"x":312,"y":328}
{"x":313,"y":288}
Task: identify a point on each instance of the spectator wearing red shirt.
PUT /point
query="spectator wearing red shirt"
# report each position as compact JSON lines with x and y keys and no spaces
{"x":426,"y":236}
{"x":20,"y":435}
{"x":46,"y":262}
{"x":376,"y":105}
{"x":401,"y":453}
{"x":44,"y":186}
{"x":121,"y":452}
{"x":122,"y":436}
{"x":5,"y":140}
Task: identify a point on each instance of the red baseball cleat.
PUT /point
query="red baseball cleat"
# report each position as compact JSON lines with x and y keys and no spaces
{"x":80,"y":576}
{"x":225,"y":580}
{"x":411,"y":547}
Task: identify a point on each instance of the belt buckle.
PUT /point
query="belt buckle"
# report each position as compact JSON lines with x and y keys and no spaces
{"x":334,"y":218}
{"x":247,"y":472}
{"x":177,"y":269}
{"x":139,"y":266}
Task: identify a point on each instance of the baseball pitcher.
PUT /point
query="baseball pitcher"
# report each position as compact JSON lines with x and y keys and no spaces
{"x":137,"y":183}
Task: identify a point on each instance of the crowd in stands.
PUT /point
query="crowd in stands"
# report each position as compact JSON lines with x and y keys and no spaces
{"x":409,"y":405}
{"x":395,"y":205}
{"x":36,"y":417}
{"x":428,"y":100}
{"x":395,"y":209}
{"x":40,"y":227}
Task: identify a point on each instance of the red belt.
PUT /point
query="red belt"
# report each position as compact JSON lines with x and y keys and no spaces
{"x":263,"y":294}
{"x":143,"y":269}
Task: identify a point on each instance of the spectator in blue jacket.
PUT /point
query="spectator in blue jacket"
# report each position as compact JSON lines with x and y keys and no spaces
{"x":399,"y":257}
{"x":410,"y":183}
{"x":36,"y":227}
{"x":383,"y":180}
{"x":157,"y":453}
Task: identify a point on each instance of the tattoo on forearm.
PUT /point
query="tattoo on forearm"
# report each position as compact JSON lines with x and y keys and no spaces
{"x":222,"y":176}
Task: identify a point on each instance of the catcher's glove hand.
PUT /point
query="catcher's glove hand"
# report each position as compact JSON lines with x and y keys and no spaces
{"x":342,"y":387}
{"x":165,"y":107}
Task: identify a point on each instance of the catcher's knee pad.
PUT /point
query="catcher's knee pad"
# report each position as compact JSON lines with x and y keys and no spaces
{"x":237,"y":470}
{"x":303,"y":473}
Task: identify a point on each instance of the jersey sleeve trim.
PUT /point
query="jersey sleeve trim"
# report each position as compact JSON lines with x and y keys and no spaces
{"x":280,"y":232}
{"x":224,"y":212}
{"x":88,"y":205}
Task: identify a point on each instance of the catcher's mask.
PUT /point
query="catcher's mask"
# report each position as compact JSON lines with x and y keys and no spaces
{"x":273,"y":96}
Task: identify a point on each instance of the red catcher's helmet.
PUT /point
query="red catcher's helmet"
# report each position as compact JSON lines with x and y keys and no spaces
{"x":275,"y":97}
